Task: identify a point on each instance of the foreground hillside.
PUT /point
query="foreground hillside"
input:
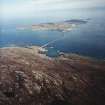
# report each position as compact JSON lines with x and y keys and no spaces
{"x":30,"y":78}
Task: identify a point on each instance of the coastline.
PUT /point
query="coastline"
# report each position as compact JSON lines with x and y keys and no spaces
{"x":41,"y":51}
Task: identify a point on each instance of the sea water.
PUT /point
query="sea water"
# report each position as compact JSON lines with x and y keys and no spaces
{"x":86,"y":39}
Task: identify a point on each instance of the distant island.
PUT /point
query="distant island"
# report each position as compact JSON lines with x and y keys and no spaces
{"x":67,"y":25}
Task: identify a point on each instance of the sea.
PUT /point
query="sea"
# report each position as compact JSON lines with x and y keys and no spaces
{"x":86,"y":39}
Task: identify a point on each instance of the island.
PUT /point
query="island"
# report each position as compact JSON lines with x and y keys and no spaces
{"x":63,"y":26}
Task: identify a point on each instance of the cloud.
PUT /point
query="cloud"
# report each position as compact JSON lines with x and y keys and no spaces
{"x":68,"y":3}
{"x":28,"y":8}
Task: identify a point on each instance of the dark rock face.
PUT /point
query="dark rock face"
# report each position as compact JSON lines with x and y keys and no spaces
{"x":77,"y":21}
{"x":27,"y":79}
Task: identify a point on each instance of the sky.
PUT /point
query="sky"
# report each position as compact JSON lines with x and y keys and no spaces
{"x":28,"y":8}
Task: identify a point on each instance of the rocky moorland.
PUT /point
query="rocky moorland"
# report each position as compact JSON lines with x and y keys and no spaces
{"x":30,"y":78}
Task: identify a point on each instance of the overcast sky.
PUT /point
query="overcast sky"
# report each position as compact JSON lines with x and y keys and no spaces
{"x":12,"y":8}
